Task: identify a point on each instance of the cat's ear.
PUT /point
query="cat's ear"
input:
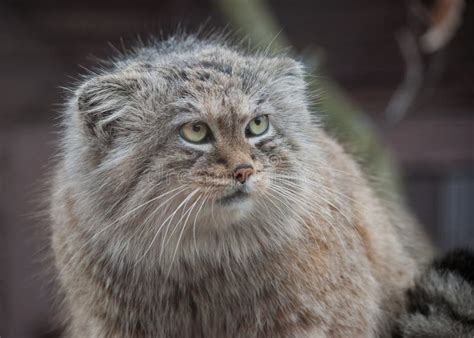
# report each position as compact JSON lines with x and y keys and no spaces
{"x":291,"y":68}
{"x":103,"y":104}
{"x":289,"y":76}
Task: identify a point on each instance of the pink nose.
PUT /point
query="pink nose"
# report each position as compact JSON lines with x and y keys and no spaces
{"x":242,"y":172}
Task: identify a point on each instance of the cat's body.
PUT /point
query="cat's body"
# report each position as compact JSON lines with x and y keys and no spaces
{"x":153,"y":236}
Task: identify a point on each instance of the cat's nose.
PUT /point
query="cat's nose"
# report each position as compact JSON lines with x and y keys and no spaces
{"x":242,"y":172}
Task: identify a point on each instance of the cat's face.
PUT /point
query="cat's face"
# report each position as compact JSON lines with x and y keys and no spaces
{"x":207,"y":139}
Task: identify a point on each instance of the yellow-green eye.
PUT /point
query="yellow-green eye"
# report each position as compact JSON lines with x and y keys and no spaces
{"x":257,"y":126}
{"x":194,"y":132}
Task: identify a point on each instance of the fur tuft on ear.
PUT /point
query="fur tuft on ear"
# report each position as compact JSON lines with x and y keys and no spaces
{"x":289,"y":72}
{"x":103,"y":101}
{"x":292,"y":68}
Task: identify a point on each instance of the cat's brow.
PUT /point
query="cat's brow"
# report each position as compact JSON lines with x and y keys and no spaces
{"x":186,"y":117}
{"x":198,"y":116}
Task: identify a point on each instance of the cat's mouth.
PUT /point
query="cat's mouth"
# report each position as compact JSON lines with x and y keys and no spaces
{"x":234,"y":197}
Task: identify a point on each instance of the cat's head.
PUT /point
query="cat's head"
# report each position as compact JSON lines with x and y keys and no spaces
{"x":199,"y":135}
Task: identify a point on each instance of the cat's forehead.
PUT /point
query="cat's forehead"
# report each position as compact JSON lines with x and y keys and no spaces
{"x":218,"y":106}
{"x":216,"y":89}
{"x":210,"y":75}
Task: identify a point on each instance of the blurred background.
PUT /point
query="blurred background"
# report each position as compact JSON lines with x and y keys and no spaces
{"x":397,"y":77}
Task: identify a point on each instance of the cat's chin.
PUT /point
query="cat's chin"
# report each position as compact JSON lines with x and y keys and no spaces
{"x":240,"y":201}
{"x":236,"y":206}
{"x":235,"y":203}
{"x":235,"y":197}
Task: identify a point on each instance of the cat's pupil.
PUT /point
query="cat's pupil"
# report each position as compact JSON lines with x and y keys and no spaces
{"x":196,"y":128}
{"x":258,"y":121}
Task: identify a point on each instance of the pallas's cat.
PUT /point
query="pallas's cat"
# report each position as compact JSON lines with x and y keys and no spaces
{"x":196,"y":195}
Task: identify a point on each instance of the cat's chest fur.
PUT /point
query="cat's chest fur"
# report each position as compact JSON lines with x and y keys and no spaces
{"x":291,"y":292}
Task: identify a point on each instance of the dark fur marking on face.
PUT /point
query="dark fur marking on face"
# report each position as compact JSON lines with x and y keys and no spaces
{"x":292,"y":145}
{"x":170,"y":78}
{"x":192,"y":155}
{"x":222,"y":161}
{"x":223,"y":68}
{"x":147,"y":66}
{"x":264,"y":142}
{"x":204,"y":76}
{"x":183,"y":75}
{"x":268,"y":150}
{"x":133,"y":184}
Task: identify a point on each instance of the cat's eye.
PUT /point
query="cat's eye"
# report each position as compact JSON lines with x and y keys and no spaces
{"x":258,"y":126}
{"x":195,"y":132}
